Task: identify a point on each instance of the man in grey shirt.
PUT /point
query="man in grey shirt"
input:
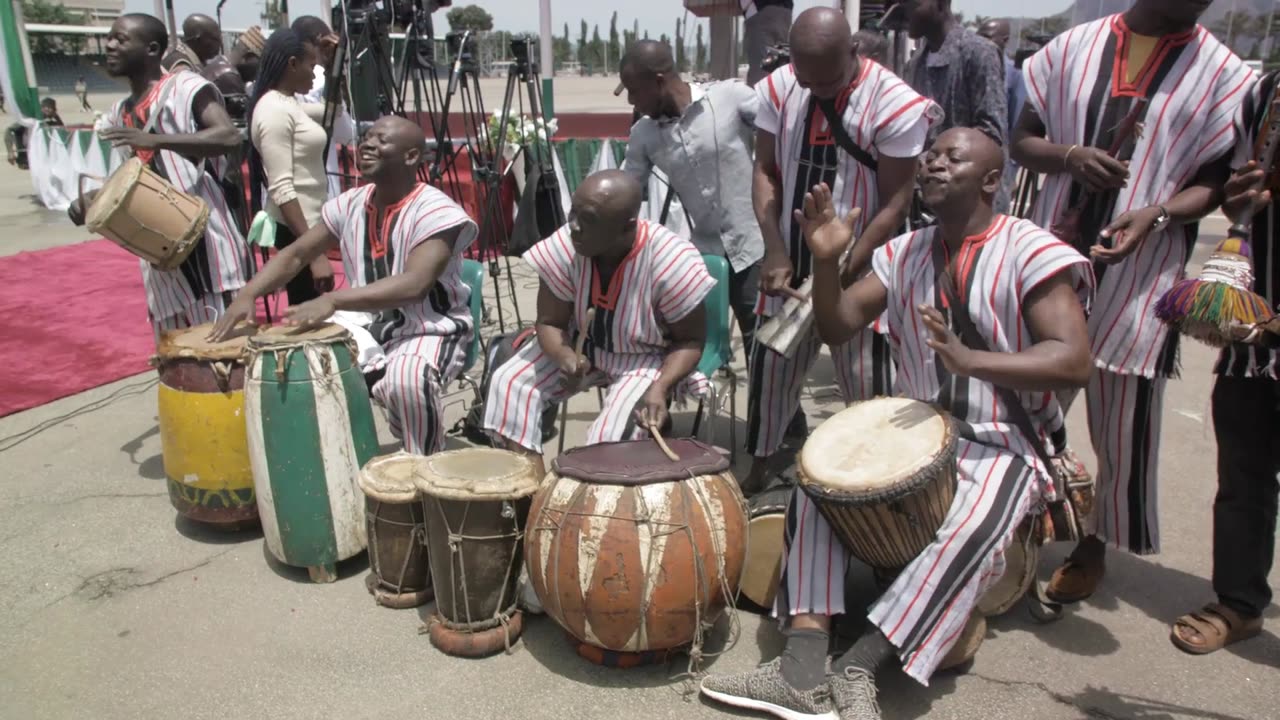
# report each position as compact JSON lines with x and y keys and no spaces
{"x":700,"y":136}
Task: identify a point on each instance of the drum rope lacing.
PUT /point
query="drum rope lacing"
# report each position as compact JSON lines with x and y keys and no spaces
{"x":417,"y":536}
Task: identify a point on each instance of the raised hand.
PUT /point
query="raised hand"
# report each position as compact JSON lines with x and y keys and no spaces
{"x":826,"y":234}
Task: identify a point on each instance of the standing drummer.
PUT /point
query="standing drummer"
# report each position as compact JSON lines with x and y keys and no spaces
{"x":1022,"y":290}
{"x":401,"y":243}
{"x":189,"y":134}
{"x":645,"y":285}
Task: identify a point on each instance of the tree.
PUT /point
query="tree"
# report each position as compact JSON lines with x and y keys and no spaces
{"x":615,"y":46}
{"x":682,"y":59}
{"x":272,"y":16}
{"x":700,"y":54}
{"x":599,"y":60}
{"x":583,"y":50}
{"x":1051,"y":26}
{"x":469,"y":17}
{"x":562,"y":49}
{"x":43,"y":11}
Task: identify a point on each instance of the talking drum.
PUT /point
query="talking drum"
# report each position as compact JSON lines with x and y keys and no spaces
{"x":310,"y":431}
{"x":202,"y":431}
{"x":399,"y":576}
{"x":146,"y":215}
{"x":765,"y":542}
{"x":634,"y":554}
{"x":883,"y":473}
{"x":476,"y":503}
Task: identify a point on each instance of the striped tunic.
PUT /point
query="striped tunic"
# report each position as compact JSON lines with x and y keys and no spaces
{"x":660,"y":282}
{"x":1078,"y":85}
{"x":1240,"y":360}
{"x":376,"y":245}
{"x":219,"y":264}
{"x":1000,"y":477}
{"x":881,"y":114}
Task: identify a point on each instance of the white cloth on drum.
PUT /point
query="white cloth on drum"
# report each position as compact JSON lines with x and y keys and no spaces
{"x":371,"y":355}
{"x":417,"y":369}
{"x":926,"y":607}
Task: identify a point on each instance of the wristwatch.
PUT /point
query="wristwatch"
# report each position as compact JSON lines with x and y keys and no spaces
{"x":1162,"y":220}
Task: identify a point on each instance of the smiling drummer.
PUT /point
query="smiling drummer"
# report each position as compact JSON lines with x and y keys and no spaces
{"x":401,"y":243}
{"x":1022,"y":290}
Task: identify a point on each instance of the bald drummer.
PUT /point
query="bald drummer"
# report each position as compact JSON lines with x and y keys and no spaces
{"x":645,"y":285}
{"x":401,"y":243}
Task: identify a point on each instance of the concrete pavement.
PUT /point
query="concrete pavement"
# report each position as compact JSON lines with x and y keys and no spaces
{"x":112,"y":608}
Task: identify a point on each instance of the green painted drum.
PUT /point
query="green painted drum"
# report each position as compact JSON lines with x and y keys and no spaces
{"x":310,"y":429}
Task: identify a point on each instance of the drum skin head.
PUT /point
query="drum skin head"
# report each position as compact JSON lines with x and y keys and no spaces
{"x":477,"y":474}
{"x":283,"y":336}
{"x":872,"y":447}
{"x":639,"y":462}
{"x":191,"y":343}
{"x":392,"y":478}
{"x":112,"y":195}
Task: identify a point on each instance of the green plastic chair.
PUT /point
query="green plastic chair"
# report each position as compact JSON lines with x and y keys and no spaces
{"x":473,"y":276}
{"x":717,"y":354}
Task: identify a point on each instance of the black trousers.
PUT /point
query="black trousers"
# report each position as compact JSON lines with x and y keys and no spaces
{"x":1246,"y":419}
{"x":303,"y":286}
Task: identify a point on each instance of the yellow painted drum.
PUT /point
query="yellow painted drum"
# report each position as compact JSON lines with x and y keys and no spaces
{"x":202,"y":427}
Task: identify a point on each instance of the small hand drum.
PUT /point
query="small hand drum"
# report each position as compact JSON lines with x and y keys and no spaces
{"x":146,"y":215}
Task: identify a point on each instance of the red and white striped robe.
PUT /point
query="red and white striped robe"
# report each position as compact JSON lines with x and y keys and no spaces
{"x":425,"y":342}
{"x":886,"y":118}
{"x":198,"y":290}
{"x":660,"y":282}
{"x":1000,"y":477}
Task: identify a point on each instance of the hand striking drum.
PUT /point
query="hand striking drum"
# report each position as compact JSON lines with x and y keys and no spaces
{"x":1021,"y":287}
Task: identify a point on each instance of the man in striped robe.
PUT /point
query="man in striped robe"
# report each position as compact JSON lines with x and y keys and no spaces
{"x":630,"y":293}
{"x":1022,"y":290}
{"x":1131,"y":200}
{"x":402,"y":244}
{"x":886,"y":123}
{"x":1246,"y":417}
{"x":177,"y":125}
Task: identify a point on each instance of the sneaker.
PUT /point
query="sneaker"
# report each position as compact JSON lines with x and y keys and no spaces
{"x":765,"y":690}
{"x":854,"y":693}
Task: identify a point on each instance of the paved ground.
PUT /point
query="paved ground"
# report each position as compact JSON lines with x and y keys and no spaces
{"x":110,"y":607}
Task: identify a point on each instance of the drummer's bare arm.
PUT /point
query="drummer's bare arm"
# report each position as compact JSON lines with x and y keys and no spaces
{"x":896,"y":183}
{"x":554,"y":318}
{"x":684,"y":351}
{"x":766,"y":197}
{"x":216,"y":137}
{"x":1058,"y":360}
{"x":424,"y":266}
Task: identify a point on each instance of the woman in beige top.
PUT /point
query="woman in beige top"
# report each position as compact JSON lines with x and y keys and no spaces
{"x":288,"y":153}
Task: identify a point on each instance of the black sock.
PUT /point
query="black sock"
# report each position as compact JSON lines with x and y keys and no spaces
{"x":868,"y":654}
{"x":804,"y":659}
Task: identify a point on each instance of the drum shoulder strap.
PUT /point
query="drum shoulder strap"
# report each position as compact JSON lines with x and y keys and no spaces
{"x":971,"y":337}
{"x":841,"y":135}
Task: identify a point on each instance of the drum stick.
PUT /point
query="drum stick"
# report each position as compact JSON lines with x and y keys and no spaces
{"x":666,"y":449}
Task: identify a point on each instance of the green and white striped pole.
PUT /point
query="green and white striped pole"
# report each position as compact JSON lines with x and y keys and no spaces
{"x":17,"y":74}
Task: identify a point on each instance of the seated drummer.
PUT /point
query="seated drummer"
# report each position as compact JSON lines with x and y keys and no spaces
{"x":646,"y":285}
{"x":401,"y":243}
{"x":1023,"y":289}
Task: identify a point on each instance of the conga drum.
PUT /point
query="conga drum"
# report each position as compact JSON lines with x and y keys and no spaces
{"x":399,"y":576}
{"x":883,"y":473}
{"x":143,"y":213}
{"x":476,"y":503}
{"x":765,"y":530}
{"x":202,"y":432}
{"x":635,"y":555}
{"x":310,"y":431}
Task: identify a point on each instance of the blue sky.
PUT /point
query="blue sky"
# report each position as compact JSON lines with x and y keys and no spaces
{"x":658,"y":16}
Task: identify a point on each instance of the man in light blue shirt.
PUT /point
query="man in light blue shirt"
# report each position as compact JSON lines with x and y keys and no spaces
{"x":700,"y":136}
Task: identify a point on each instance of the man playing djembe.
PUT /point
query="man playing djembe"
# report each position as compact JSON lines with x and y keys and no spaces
{"x":1021,"y":288}
{"x":402,"y":244}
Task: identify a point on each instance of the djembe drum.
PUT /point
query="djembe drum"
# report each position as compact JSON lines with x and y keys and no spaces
{"x":145,"y":214}
{"x":633,"y":554}
{"x":202,"y":431}
{"x":399,"y":576}
{"x":310,"y":431}
{"x":476,"y":502}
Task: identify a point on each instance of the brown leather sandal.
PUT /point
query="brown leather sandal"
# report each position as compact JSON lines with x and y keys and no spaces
{"x":1216,"y":625}
{"x":1080,"y":574}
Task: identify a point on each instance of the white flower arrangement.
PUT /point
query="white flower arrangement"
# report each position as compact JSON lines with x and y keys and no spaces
{"x":519,"y":130}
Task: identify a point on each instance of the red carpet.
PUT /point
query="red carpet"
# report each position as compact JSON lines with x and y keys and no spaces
{"x":72,"y":318}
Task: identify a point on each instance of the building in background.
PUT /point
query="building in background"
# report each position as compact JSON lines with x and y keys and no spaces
{"x":96,"y":12}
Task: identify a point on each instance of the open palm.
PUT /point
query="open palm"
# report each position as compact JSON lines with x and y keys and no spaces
{"x":827,"y":234}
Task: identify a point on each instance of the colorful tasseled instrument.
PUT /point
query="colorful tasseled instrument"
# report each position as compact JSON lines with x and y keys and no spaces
{"x":1220,"y":306}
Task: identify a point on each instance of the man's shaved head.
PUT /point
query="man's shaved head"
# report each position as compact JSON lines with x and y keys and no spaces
{"x":202,"y":34}
{"x":648,"y":56}
{"x":822,"y":52}
{"x":393,"y":148}
{"x":606,"y":209}
{"x":997,"y":31}
{"x":961,"y":169}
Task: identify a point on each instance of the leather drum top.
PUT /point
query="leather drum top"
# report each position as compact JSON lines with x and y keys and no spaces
{"x":285,"y":336}
{"x":477,"y":474}
{"x":392,"y":478}
{"x":639,"y":462}
{"x":191,"y":343}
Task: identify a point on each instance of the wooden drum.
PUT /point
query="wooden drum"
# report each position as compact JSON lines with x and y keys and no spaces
{"x":202,"y":432}
{"x":146,"y":215}
{"x":399,"y":576}
{"x":883,"y":473}
{"x":765,"y":544}
{"x":310,"y":431}
{"x":633,"y":554}
{"x":476,"y":503}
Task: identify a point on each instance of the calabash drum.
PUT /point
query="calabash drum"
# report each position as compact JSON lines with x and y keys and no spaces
{"x":765,"y":530}
{"x":146,"y":215}
{"x":399,"y":576}
{"x":476,"y":503}
{"x":634,"y":554}
{"x":883,"y":473}
{"x":310,"y":431}
{"x":1020,"y":561}
{"x":202,"y":431}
